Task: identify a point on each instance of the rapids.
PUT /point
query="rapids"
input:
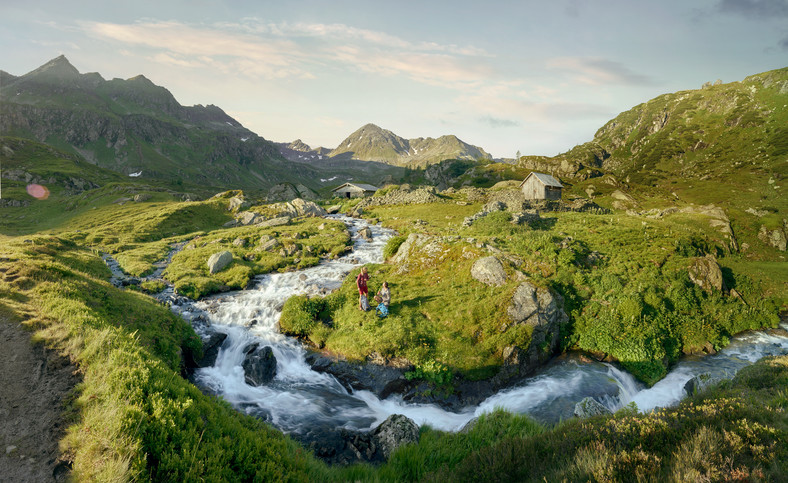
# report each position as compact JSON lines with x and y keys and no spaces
{"x":300,"y":398}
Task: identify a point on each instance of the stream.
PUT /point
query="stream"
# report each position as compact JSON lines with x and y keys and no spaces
{"x":299,"y":398}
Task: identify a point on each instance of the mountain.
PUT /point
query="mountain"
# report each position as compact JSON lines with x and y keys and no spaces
{"x":300,"y":152}
{"x":134,"y":126}
{"x":372,"y":143}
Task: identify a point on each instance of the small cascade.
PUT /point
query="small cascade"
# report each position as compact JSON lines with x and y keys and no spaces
{"x":299,"y":399}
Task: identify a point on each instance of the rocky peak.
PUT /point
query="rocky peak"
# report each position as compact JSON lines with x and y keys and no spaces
{"x":299,"y":145}
{"x":57,"y":69}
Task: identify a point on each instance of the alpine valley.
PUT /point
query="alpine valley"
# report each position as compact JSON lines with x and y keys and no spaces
{"x":178,"y":295}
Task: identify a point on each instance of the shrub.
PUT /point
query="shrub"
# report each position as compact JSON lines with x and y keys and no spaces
{"x":393,"y":245}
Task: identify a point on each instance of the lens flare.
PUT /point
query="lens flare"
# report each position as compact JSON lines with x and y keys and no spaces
{"x":38,"y":191}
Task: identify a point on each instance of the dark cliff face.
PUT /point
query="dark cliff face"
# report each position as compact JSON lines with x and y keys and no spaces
{"x":134,"y":125}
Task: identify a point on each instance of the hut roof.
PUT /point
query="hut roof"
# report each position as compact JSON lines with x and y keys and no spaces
{"x":546,"y":179}
{"x":365,"y":187}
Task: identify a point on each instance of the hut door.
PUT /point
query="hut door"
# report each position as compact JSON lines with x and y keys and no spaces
{"x":347,"y":194}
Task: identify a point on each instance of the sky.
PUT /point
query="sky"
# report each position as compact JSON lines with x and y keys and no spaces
{"x":535,"y":77}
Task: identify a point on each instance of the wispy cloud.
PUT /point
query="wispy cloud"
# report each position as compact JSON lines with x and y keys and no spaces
{"x":598,"y":71}
{"x":496,"y":122}
{"x":758,"y":9}
{"x":299,"y":50}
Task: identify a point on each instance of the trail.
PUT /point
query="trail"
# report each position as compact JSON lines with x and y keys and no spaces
{"x":34,"y":385}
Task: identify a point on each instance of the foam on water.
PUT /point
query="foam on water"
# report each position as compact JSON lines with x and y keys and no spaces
{"x":299,"y":397}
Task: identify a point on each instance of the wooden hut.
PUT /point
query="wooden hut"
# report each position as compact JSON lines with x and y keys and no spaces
{"x":540,"y":186}
{"x":354,"y":190}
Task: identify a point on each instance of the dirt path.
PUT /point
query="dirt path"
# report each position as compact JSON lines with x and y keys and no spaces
{"x":34,"y":384}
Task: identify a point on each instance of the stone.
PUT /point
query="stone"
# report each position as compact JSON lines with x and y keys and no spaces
{"x":707,"y":274}
{"x":219,"y":261}
{"x":333,"y":209}
{"x":269,"y":245}
{"x":397,"y":430}
{"x":590,"y":407}
{"x":282,"y":192}
{"x":701,"y":382}
{"x":775,"y":238}
{"x":237,"y":203}
{"x":307,"y":208}
{"x":259,"y":365}
{"x":489,"y":271}
{"x":366,"y":233}
{"x":542,"y":309}
{"x":239,"y":242}
{"x":210,"y":348}
{"x":141,"y":197}
{"x":247,"y":218}
{"x":278,"y":221}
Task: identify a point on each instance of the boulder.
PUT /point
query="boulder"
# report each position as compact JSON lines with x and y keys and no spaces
{"x":259,"y":365}
{"x":141,"y":197}
{"x":239,"y":242}
{"x":397,"y":430}
{"x":333,"y":209}
{"x":305,"y":192}
{"x":701,"y":382}
{"x":237,"y":203}
{"x":247,"y":218}
{"x":489,"y":271}
{"x":282,"y":192}
{"x":590,"y":407}
{"x":366,"y":233}
{"x":268,"y":243}
{"x":542,"y":309}
{"x":278,"y":221}
{"x":219,"y":261}
{"x":707,"y":274}
{"x":775,"y":238}
{"x":307,"y":208}
{"x":210,"y":348}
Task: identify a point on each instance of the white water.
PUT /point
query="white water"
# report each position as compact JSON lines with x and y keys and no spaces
{"x":300,"y":398}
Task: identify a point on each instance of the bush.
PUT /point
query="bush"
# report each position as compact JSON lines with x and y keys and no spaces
{"x":393,"y":245}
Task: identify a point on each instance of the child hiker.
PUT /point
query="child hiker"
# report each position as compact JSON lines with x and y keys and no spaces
{"x":363,"y":292}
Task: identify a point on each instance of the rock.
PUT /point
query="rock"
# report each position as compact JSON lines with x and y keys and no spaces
{"x":590,"y":407}
{"x":706,"y":273}
{"x":141,"y":197}
{"x":279,"y":221}
{"x":513,"y":356}
{"x":775,"y":238}
{"x":544,"y":311}
{"x":305,"y":192}
{"x":366,"y":233}
{"x":307,"y":208}
{"x":333,"y":209}
{"x":259,"y":365}
{"x":210,"y":348}
{"x":247,"y":218}
{"x":269,"y":244}
{"x":621,"y":196}
{"x":237,"y":203}
{"x":219,"y":261}
{"x":397,"y":430}
{"x":282,"y":192}
{"x":489,"y":271}
{"x":239,"y":242}
{"x":701,"y":382}
{"x":468,"y":427}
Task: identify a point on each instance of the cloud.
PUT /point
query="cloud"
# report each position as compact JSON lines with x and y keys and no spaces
{"x":299,"y":50}
{"x":497,"y":123}
{"x":757,"y":9}
{"x":598,"y":71}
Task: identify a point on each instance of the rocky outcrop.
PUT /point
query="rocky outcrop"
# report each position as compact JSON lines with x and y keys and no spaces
{"x":259,"y":365}
{"x":248,"y":218}
{"x":774,"y":238}
{"x":707,"y":274}
{"x":543,"y":310}
{"x":344,"y":446}
{"x":590,"y":407}
{"x":489,"y":271}
{"x":219,"y":261}
{"x":419,"y":250}
{"x":278,"y":221}
{"x":299,"y":207}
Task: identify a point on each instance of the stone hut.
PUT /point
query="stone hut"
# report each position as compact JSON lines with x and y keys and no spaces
{"x":540,"y":186}
{"x":354,"y":190}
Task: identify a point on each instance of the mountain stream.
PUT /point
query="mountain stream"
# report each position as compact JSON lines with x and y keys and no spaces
{"x":299,"y":398}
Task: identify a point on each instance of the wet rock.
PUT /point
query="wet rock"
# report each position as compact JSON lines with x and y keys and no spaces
{"x":365,"y":233}
{"x":219,"y":261}
{"x":210,"y":347}
{"x":701,"y":382}
{"x":259,"y":365}
{"x":489,"y":271}
{"x":397,"y":430}
{"x":590,"y":407}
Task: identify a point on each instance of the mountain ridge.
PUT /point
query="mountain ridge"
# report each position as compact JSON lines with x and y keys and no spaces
{"x":135,"y":125}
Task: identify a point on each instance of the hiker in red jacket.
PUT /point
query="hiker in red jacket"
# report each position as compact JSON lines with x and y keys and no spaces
{"x":361,"y":283}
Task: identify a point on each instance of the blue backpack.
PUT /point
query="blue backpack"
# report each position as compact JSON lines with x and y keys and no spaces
{"x":382,"y":311}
